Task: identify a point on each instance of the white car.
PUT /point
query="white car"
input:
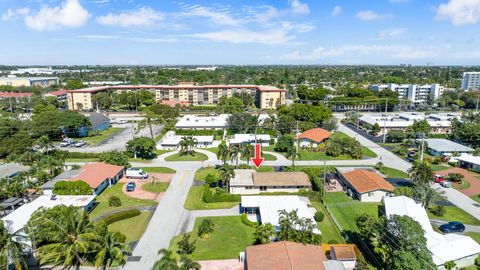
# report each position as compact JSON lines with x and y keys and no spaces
{"x":136,"y":173}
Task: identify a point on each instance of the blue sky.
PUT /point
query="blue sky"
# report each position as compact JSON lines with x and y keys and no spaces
{"x":49,"y":32}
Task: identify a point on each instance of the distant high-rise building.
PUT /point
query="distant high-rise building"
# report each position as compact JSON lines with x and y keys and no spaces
{"x":471,"y":80}
{"x":413,"y":92}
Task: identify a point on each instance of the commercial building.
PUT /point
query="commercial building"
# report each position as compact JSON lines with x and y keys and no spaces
{"x":61,"y":95}
{"x":413,"y":92}
{"x":469,"y":161}
{"x":29,"y":81}
{"x":15,"y":96}
{"x":365,"y":185}
{"x":239,"y":139}
{"x":252,"y":182}
{"x":266,"y":97}
{"x":444,"y":147}
{"x":266,"y":209}
{"x":171,"y":141}
{"x":460,"y":249}
{"x":313,"y":137}
{"x":38,"y":71}
{"x":471,"y":80}
{"x":195,"y":122}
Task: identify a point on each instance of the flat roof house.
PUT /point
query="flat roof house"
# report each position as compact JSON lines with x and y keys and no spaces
{"x":9,"y":170}
{"x":469,"y":161}
{"x":171,"y":141}
{"x":449,"y":247}
{"x":194,"y":122}
{"x":313,"y":137}
{"x":252,"y":182}
{"x":443,"y":147}
{"x":262,"y":139}
{"x":364,"y":184}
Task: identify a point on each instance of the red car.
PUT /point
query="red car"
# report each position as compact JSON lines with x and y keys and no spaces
{"x":439,"y":178}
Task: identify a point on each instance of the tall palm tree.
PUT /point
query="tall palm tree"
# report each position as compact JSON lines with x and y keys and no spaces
{"x":44,"y":143}
{"x":292,"y":154}
{"x":113,"y":250}
{"x":234,"y":154}
{"x":421,"y":174}
{"x":167,"y":262}
{"x":187,"y":144}
{"x":66,"y":234}
{"x":223,"y":152}
{"x":226,"y":173}
{"x":287,"y":222}
{"x":10,"y":251}
{"x":188,"y":264}
{"x":149,"y":119}
{"x":428,"y":195}
{"x":247,"y":152}
{"x":264,"y":234}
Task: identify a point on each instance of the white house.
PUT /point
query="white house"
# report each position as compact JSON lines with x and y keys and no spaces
{"x":171,"y":141}
{"x":313,"y":137}
{"x":449,"y":247}
{"x":469,"y":161}
{"x":263,"y":139}
{"x":213,"y":122}
{"x":366,"y":185}
{"x":252,"y":182}
{"x":443,"y":147}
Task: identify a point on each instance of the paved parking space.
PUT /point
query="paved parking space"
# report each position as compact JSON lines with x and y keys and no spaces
{"x":470,"y":177}
{"x":221,"y":265}
{"x":139,"y":193}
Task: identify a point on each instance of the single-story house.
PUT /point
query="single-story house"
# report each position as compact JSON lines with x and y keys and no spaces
{"x":9,"y":170}
{"x":97,"y":175}
{"x":366,"y":185}
{"x":469,"y":161}
{"x":11,"y":203}
{"x":266,"y":208}
{"x":194,"y":122}
{"x":344,"y":253}
{"x":16,"y":220}
{"x":99,"y":122}
{"x":262,"y":139}
{"x":313,"y":137}
{"x":171,"y":141}
{"x":444,"y":147}
{"x":449,"y":247}
{"x":285,"y":255}
{"x":252,"y":182}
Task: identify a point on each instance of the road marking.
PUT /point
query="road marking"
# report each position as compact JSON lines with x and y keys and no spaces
{"x":182,"y":179}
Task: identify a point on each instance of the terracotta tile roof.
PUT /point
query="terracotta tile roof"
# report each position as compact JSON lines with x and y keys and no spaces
{"x":365,"y":181}
{"x":317,"y":135}
{"x":281,"y":179}
{"x":58,"y":93}
{"x":95,"y":173}
{"x":343,"y":252}
{"x":285,"y":256}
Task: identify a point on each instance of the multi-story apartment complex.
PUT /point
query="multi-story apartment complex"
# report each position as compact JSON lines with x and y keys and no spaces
{"x":266,"y":97}
{"x":413,"y":92}
{"x":471,"y":80}
{"x":29,"y":81}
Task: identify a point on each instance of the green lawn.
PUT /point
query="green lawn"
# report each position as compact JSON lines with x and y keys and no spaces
{"x":327,"y":227}
{"x":367,"y":153}
{"x":158,"y":169}
{"x":132,"y":228}
{"x":161,"y":152}
{"x":201,"y":173}
{"x":266,"y":156}
{"x":194,"y":201}
{"x":476,"y":198}
{"x":464,"y":185}
{"x":95,"y":139}
{"x":230,"y":237}
{"x":158,"y":187}
{"x":393,"y":173}
{"x":454,"y":213}
{"x":439,"y":167}
{"x":127,"y":202}
{"x":345,"y":209}
{"x":474,"y":235}
{"x":196,"y":157}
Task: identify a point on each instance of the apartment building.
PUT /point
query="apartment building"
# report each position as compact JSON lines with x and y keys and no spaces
{"x":266,"y":97}
{"x":29,"y":81}
{"x":471,"y":80}
{"x":413,"y":92}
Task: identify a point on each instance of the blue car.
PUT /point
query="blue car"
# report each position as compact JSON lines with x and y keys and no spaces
{"x":131,"y":186}
{"x":453,"y":226}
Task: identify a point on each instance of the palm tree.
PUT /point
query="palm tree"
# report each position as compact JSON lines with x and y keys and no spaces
{"x":292,"y":154}
{"x":167,"y":262}
{"x":188,"y":264}
{"x":286,"y":222}
{"x":234,"y":154}
{"x":223,"y":152}
{"x":187,"y":144}
{"x":226,"y":173}
{"x":247,"y":152}
{"x":113,"y":250}
{"x":421,"y":174}
{"x":11,"y":252}
{"x":149,"y":119}
{"x":44,"y":143}
{"x":428,"y":195}
{"x":264,"y":234}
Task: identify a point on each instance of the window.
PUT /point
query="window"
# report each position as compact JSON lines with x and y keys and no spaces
{"x":263,"y":188}
{"x":370,"y":194}
{"x":248,"y":187}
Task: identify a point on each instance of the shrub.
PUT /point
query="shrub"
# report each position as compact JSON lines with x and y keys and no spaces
{"x":121,"y":215}
{"x":72,"y":188}
{"x":319,"y":216}
{"x":82,"y":155}
{"x":455,"y":177}
{"x":115,"y":158}
{"x":114,"y":201}
{"x":477,"y":261}
{"x":247,"y":222}
{"x":438,"y":210}
{"x":211,"y":195}
{"x":211,"y":180}
{"x":185,"y":246}
{"x":205,"y":228}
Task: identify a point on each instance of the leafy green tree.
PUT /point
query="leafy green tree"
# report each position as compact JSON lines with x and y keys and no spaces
{"x":185,"y":246}
{"x":284,"y":143}
{"x":395,"y":136}
{"x":286,"y":123}
{"x":420,"y":127}
{"x":226,"y":173}
{"x":74,"y":84}
{"x":72,"y":188}
{"x":70,"y":121}
{"x":11,"y":251}
{"x":115,"y":158}
{"x":114,"y":201}
{"x":450,"y":265}
{"x":264,"y":234}
{"x":242,"y":123}
{"x":376,"y":129}
{"x":421,"y":174}
{"x":206,"y":227}
{"x":112,"y":247}
{"x":292,"y":154}
{"x":44,"y":143}
{"x":142,"y":147}
{"x":466,"y":130}
{"x":230,"y":105}
{"x":223,"y":152}
{"x":167,"y":112}
{"x":104,"y":100}
{"x":296,"y":229}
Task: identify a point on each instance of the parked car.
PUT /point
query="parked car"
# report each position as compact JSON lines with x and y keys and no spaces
{"x":136,"y":173}
{"x":64,"y":144}
{"x":122,"y":121}
{"x":453,"y":226}
{"x":439,"y":178}
{"x":131,"y":186}
{"x":446,"y":184}
{"x":80,"y":143}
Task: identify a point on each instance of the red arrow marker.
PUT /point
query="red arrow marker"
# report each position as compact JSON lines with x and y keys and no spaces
{"x":257,"y":159}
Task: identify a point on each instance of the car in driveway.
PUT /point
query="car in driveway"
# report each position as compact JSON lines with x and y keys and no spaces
{"x":453,"y":226}
{"x":136,"y":173}
{"x":131,"y":186}
{"x":80,"y":143}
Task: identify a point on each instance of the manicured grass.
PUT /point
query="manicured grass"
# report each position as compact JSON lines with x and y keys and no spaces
{"x":101,"y":136}
{"x":201,"y":173}
{"x":439,"y":167}
{"x":229,"y":238}
{"x":158,"y":169}
{"x":453,"y":213}
{"x":195,"y":157}
{"x":266,"y":156}
{"x":127,"y":202}
{"x":345,"y":210}
{"x":474,"y":235}
{"x":476,"y":198}
{"x":194,"y":201}
{"x":367,"y":153}
{"x":328,"y":228}
{"x":158,"y":187}
{"x":132,"y":228}
{"x":161,"y":152}
{"x":393,"y":173}
{"x":464,"y":185}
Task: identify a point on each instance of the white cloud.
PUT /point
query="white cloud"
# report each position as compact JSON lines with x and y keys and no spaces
{"x":268,"y":13}
{"x":270,"y":37}
{"x":337,"y":10}
{"x":142,"y":17}
{"x":222,"y":16}
{"x":459,"y":12}
{"x":9,"y":15}
{"x":155,"y":40}
{"x":392,"y":33}
{"x":299,"y":7}
{"x":23,"y":11}
{"x":369,"y":15}
{"x":70,"y":14}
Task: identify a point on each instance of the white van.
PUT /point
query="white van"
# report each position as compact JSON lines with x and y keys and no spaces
{"x":136,"y":173}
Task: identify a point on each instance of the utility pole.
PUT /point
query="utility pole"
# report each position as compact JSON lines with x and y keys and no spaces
{"x":423,"y":143}
{"x":324,"y":179}
{"x":476,"y":107}
{"x":296,"y":135}
{"x":385,"y":121}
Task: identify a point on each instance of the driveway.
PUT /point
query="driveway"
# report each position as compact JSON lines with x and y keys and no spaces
{"x":468,"y":228}
{"x":140,"y":193}
{"x":188,"y":220}
{"x":470,"y":177}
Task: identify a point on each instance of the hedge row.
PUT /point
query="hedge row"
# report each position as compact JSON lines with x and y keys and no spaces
{"x":247,"y":222}
{"x":121,"y":215}
{"x":218,"y":195}
{"x":82,"y":155}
